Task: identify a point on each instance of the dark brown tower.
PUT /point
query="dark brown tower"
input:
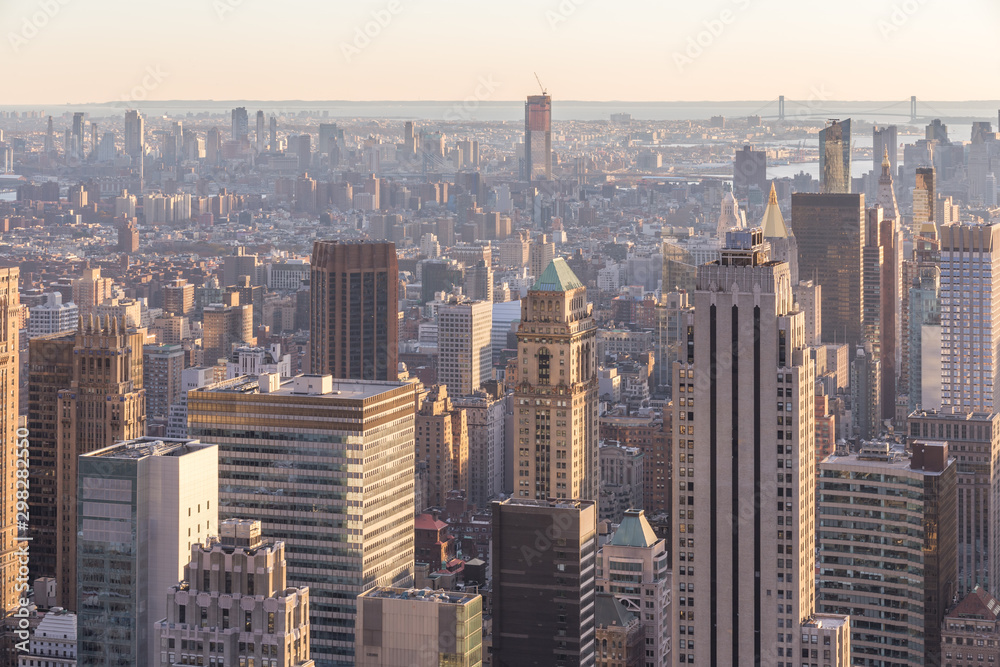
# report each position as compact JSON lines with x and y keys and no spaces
{"x":354,"y":326}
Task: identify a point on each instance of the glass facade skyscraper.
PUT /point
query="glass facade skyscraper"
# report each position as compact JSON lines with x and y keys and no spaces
{"x":835,"y":158}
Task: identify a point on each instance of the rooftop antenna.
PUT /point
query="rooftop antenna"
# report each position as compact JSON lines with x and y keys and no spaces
{"x":544,"y":92}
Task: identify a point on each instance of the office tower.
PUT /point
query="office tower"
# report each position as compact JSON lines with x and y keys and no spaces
{"x":260,"y":132}
{"x":400,"y":627}
{"x":885,"y":143}
{"x":303,"y":150}
{"x":835,"y":158}
{"x":749,"y":168}
{"x":866,"y":392}
{"x":622,"y":480}
{"x":479,"y":282}
{"x":784,"y":248}
{"x":240,"y":124}
{"x":543,"y":589}
{"x":241,"y":264}
{"x":484,"y":416}
{"x":226,"y":325}
{"x":936,"y":131}
{"x":465,"y":350}
{"x":234,"y":606}
{"x":76,"y":148}
{"x":161,"y":376}
{"x":830,"y":231}
{"x":808,"y":296}
{"x":128,"y":236}
{"x":924,"y":332}
{"x":90,"y":290}
{"x":541,"y":252}
{"x":646,"y":589}
{"x":977,"y":436}
{"x":678,"y":268}
{"x":745,"y":346}
{"x":50,"y":369}
{"x":329,"y":137}
{"x":892,"y":571}
{"x":537,"y":138}
{"x":51,"y":317}
{"x":354,"y":328}
{"x":53,"y":642}
{"x":105,"y":402}
{"x":272,"y":127}
{"x":50,"y":143}
{"x":555,"y":398}
{"x":924,"y":200}
{"x":10,"y":318}
{"x":881,"y":296}
{"x":143,"y":503}
{"x":970,"y":358}
{"x":135,"y":136}
{"x":730,"y":215}
{"x":213,"y":146}
{"x":409,"y":139}
{"x":178,"y":297}
{"x":442,"y":439}
{"x":353,"y":440}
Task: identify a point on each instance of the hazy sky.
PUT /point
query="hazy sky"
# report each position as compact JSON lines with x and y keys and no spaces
{"x":76,"y":51}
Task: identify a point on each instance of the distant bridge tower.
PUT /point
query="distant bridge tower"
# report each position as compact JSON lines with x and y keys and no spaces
{"x":913,"y":108}
{"x":781,"y":107}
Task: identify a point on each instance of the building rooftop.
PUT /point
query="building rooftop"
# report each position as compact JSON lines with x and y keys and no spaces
{"x":634,"y":531}
{"x":977,"y":605}
{"x":557,"y":277}
{"x":420,"y":595}
{"x":140,"y":448}
{"x":609,"y":613}
{"x":57,"y":624}
{"x":306,"y":385}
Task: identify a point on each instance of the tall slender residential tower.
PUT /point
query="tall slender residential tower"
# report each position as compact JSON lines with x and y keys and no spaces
{"x":744,"y":470}
{"x":835,"y":158}
{"x":970,"y":327}
{"x":555,"y":398}
{"x":830,"y":231}
{"x":538,"y":138}
{"x":260,"y":132}
{"x":10,"y":317}
{"x":105,"y":404}
{"x":354,"y":324}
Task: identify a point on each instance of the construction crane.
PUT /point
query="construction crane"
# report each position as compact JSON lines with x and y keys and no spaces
{"x":544,"y":92}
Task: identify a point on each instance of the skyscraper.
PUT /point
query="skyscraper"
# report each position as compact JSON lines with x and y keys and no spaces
{"x":924,"y":201}
{"x":106,"y":404}
{"x":335,"y":482}
{"x":226,"y":324}
{"x":242,"y":577}
{"x":645,"y":589}
{"x":835,"y":158}
{"x":465,"y":348}
{"x":354,"y":324}
{"x":885,"y":142}
{"x":543,"y":589}
{"x":555,"y":398}
{"x":881,"y":298}
{"x":784,"y":248}
{"x":10,"y":318}
{"x":749,"y":168}
{"x":745,"y":346}
{"x":442,"y":439}
{"x":241,"y":124}
{"x":893,"y":571}
{"x":537,"y":138}
{"x":970,"y":329}
{"x":135,"y":138}
{"x":143,"y":504}
{"x":830,"y":231}
{"x":260,"y":132}
{"x":272,"y":127}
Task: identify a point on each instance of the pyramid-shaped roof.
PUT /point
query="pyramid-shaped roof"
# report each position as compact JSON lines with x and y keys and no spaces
{"x":557,"y":277}
{"x":773,"y":222}
{"x":634,"y":531}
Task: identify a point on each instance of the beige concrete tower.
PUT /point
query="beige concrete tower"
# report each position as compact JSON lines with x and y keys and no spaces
{"x":555,"y":399}
{"x":465,"y":351}
{"x":744,"y":466}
